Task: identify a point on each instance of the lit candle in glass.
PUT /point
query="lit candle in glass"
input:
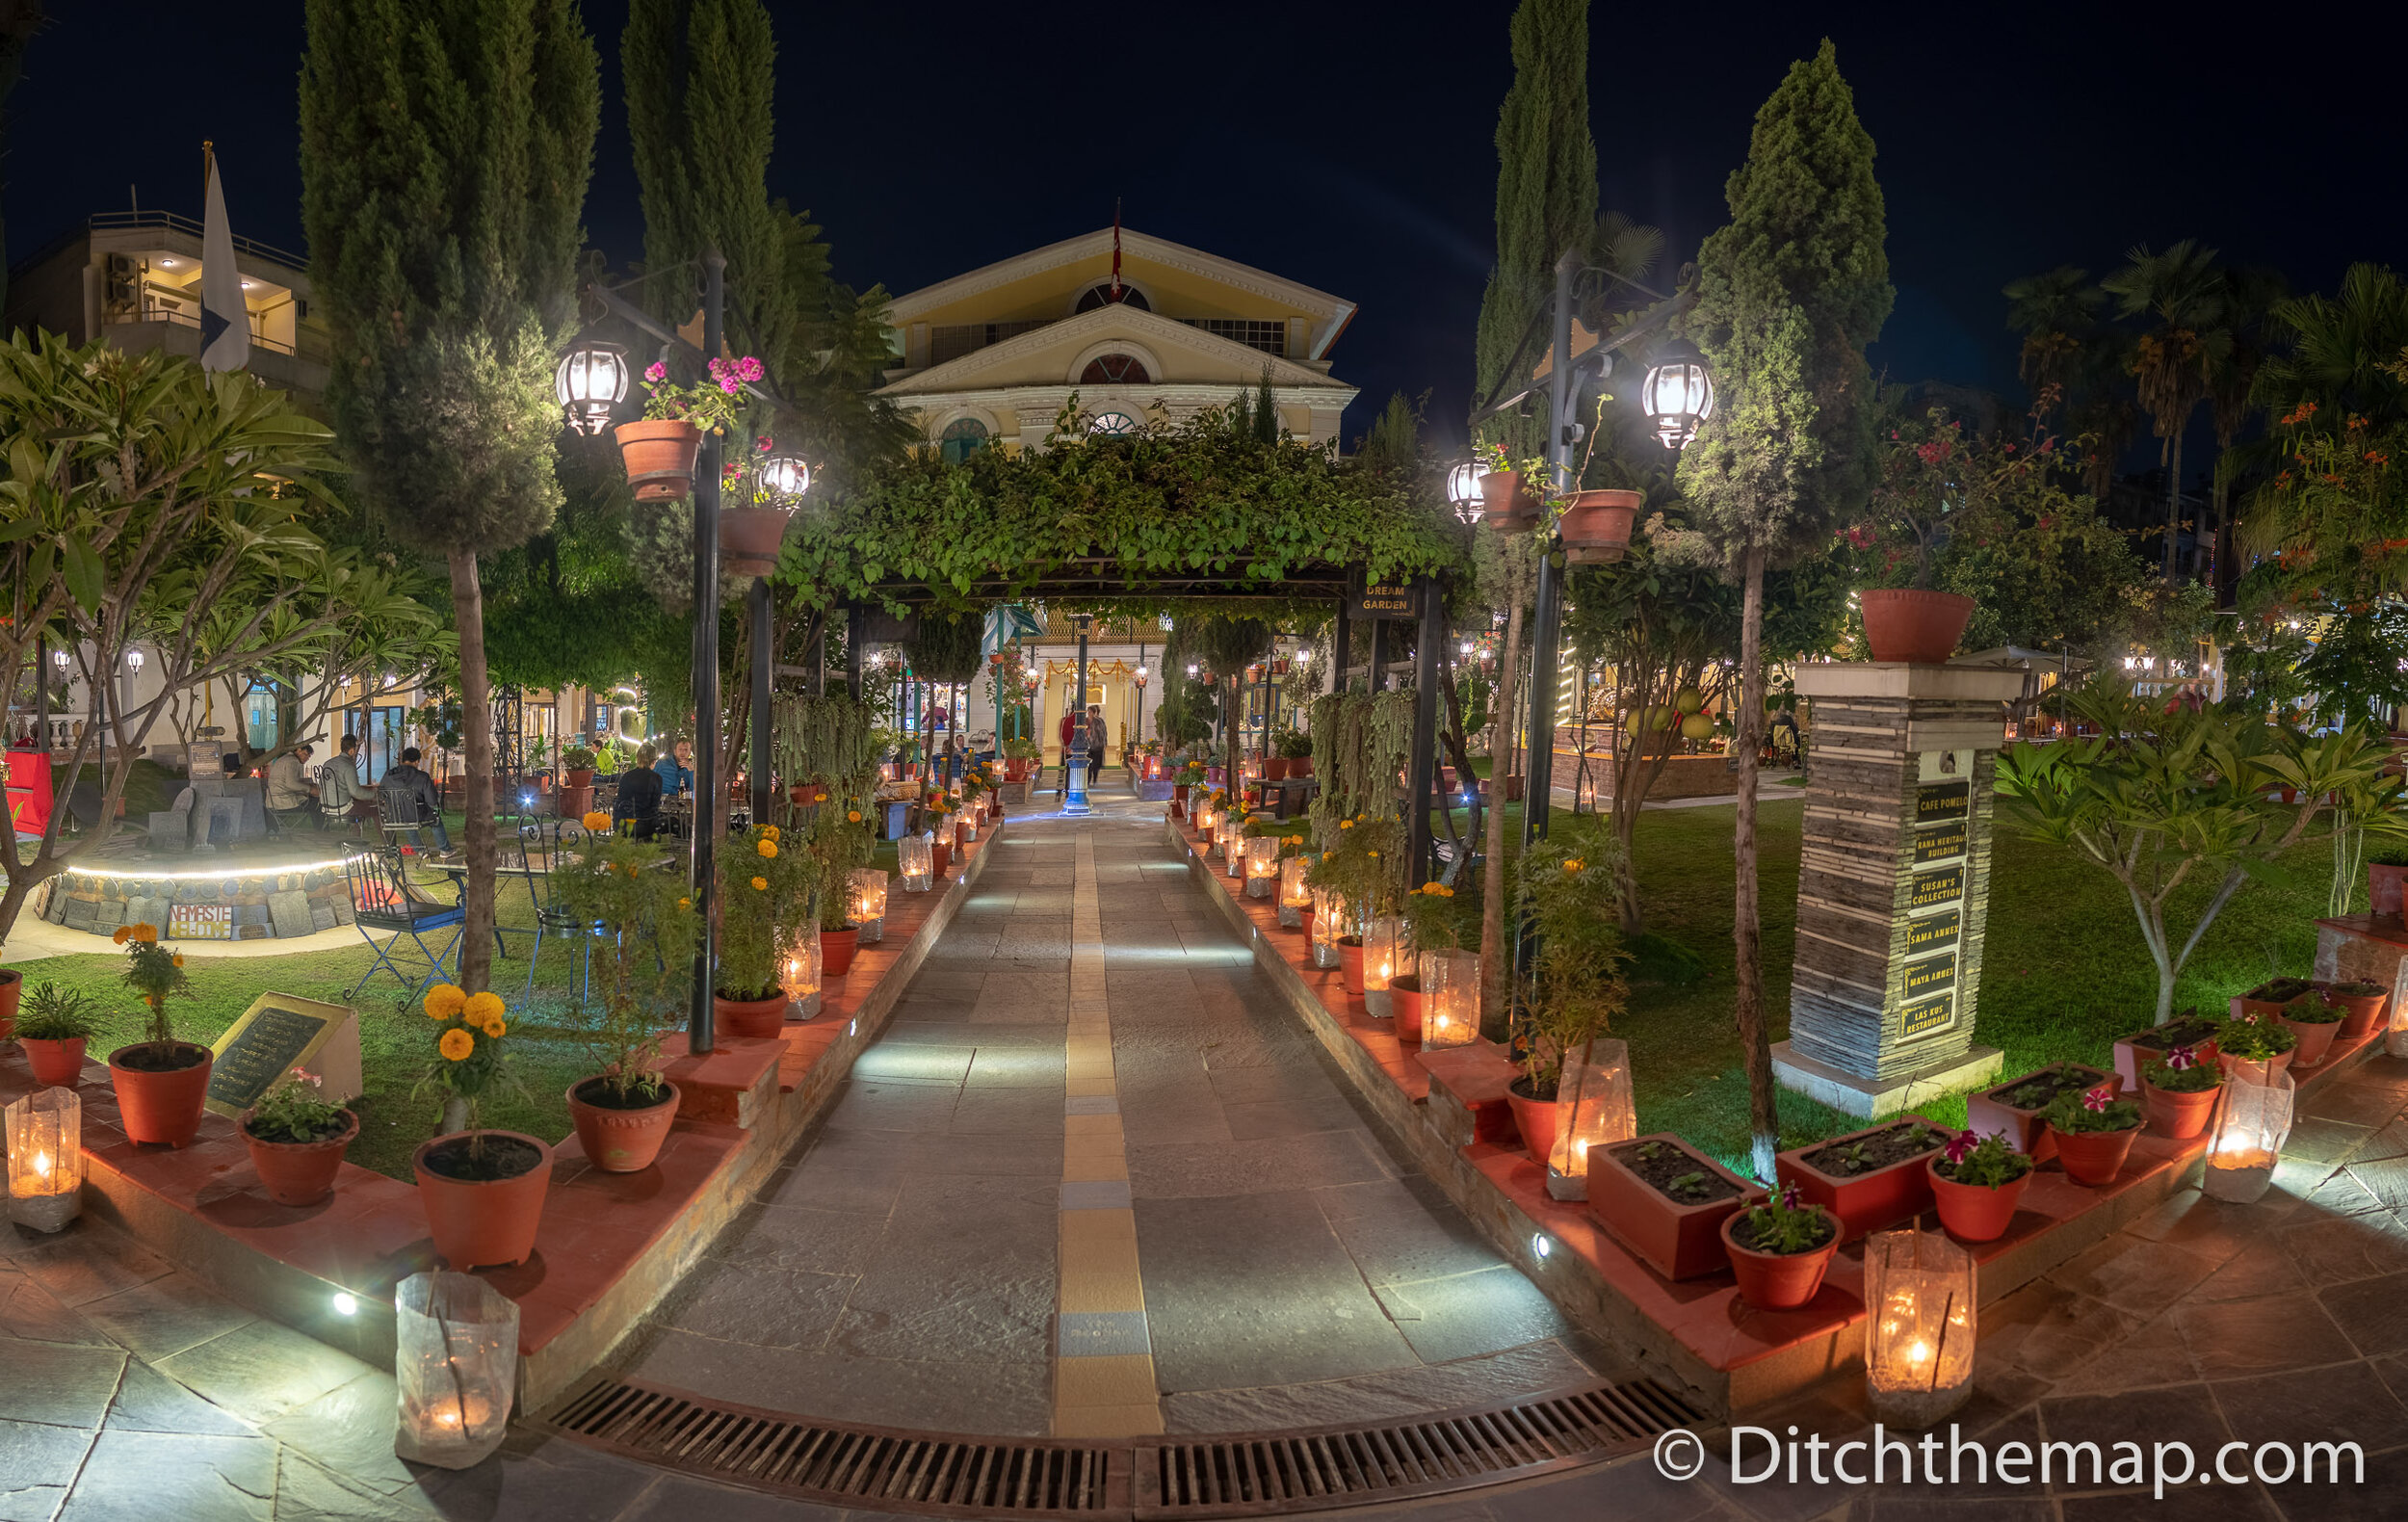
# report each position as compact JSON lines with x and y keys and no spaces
{"x":1387,"y":950}
{"x":45,"y":1137}
{"x":2253,"y":1121}
{"x":915,"y":856}
{"x":1918,"y":1326}
{"x":1262,"y":866}
{"x":1450,"y":998}
{"x":1294,"y":896}
{"x":455,"y":1364}
{"x":1594,"y":1108}
{"x":802,"y":979}
{"x":1333,"y":920}
{"x":866,"y":891}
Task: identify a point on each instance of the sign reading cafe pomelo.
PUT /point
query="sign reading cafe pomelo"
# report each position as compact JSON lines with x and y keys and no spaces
{"x":1893,"y":877}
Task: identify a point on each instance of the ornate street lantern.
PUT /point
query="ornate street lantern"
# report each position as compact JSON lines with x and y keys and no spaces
{"x":2253,"y":1121}
{"x":591,"y":382}
{"x":1463,"y":490}
{"x":1594,"y":1108}
{"x":1918,"y":1326}
{"x":1166,"y":622}
{"x":1677,"y":395}
{"x":45,"y":1132}
{"x":786,"y":477}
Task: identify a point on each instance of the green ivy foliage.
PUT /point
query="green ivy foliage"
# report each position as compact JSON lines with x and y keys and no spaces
{"x":1143,"y":516}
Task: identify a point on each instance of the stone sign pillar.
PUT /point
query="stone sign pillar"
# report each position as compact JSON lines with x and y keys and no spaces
{"x":1894,"y":879}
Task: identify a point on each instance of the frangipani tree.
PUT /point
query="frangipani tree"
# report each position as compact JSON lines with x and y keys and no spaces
{"x":2162,"y":799}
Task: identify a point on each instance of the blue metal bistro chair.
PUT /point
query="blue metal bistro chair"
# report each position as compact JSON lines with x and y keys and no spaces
{"x":384,"y":900}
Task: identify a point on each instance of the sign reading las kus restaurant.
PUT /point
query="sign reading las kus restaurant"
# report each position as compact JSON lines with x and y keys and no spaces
{"x":1935,"y":896}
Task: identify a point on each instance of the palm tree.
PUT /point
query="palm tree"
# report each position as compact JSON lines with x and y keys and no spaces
{"x":2339,"y":346}
{"x":2184,"y":295}
{"x":2252,"y":295}
{"x":2058,"y":313}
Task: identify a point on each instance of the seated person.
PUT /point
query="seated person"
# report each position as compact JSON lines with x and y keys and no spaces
{"x":341,"y":795}
{"x":291,"y":795}
{"x":639,"y":795}
{"x":410,"y":801}
{"x":676,"y":769}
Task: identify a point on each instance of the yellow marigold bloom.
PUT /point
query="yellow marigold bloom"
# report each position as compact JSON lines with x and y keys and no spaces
{"x":597,"y":821}
{"x":1375,"y":855}
{"x":445,"y":1000}
{"x":761,"y":884}
{"x":767,"y":848}
{"x":179,"y":958}
{"x":1573,"y":865}
{"x":497,"y":1028}
{"x":1345,"y":823}
{"x":148,"y":934}
{"x":852,"y":816}
{"x":122,"y":935}
{"x":685,"y":903}
{"x":456,"y":1044}
{"x":482,"y":1008}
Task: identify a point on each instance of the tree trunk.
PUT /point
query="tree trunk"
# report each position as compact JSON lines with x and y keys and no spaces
{"x":1747,"y":931}
{"x":476,"y":717}
{"x":2173,"y":498}
{"x":1496,"y":954}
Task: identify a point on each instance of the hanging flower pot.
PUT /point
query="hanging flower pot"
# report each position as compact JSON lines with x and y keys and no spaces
{"x":659,"y":454}
{"x":750,"y":1017}
{"x":160,"y":1088}
{"x":301,"y":1172}
{"x":1504,"y":504}
{"x":748,"y":540}
{"x":837,"y":948}
{"x":620,"y":1136}
{"x":1596,"y":525}
{"x":1913,"y":625}
{"x":483,"y":1203}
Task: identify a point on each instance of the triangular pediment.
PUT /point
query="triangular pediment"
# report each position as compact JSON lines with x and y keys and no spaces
{"x":1051,"y":355}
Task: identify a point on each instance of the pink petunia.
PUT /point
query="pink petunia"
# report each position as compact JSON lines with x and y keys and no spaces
{"x":2096,"y":1100}
{"x":2182,"y":1057}
{"x":656,"y":371}
{"x":1961,"y":1145}
{"x":749,"y":368}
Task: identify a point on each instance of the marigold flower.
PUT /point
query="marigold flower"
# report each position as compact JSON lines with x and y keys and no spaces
{"x":456,"y":1044}
{"x":767,"y":848}
{"x":497,"y":1028}
{"x":483,"y":1008}
{"x":761,"y":884}
{"x":179,"y":958}
{"x":122,"y":935}
{"x":685,"y":903}
{"x":852,"y":816}
{"x":148,"y":934}
{"x":445,"y":1000}
{"x":770,"y":833}
{"x":597,"y":821}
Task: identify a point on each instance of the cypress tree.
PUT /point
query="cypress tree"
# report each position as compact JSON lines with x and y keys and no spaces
{"x":1546,"y":194}
{"x":1789,"y":292}
{"x":445,"y":150}
{"x":1265,"y":411}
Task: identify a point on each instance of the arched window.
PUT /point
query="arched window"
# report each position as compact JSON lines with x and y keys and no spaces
{"x":963,"y":437}
{"x":1114,"y":370}
{"x":1112,"y":424}
{"x":1100,"y":294}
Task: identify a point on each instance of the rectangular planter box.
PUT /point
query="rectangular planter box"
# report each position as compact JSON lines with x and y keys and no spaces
{"x":2130,"y":1057}
{"x":2025,"y":1129}
{"x":1680,"y":1242}
{"x":1864,"y":1202}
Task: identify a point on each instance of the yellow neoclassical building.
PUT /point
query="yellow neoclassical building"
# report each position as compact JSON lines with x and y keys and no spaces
{"x":991,"y":357}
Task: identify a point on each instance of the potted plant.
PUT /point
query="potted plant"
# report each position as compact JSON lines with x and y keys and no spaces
{"x":1575,"y":983}
{"x":1927,"y":479}
{"x":1440,"y":920}
{"x":11,"y":984}
{"x":1780,"y":1249}
{"x":161,"y":1083}
{"x":297,"y":1139}
{"x":1976,"y":1181}
{"x":2180,"y":1093}
{"x":1868,"y":1179}
{"x":2019,"y":1108}
{"x":1596,"y":524}
{"x":1296,"y":747}
{"x":1275,"y":755}
{"x":2272,"y":996}
{"x":2315,"y":1023}
{"x":1665,"y":1201}
{"x":758,"y":494}
{"x":577,"y":766}
{"x":2133,"y":1053}
{"x":764,"y":891}
{"x":2094,"y":1132}
{"x":660,"y":451}
{"x":2256,"y":1040}
{"x":1507,"y":504}
{"x":2386,"y":870}
{"x":641,"y":974}
{"x":52,"y":1027}
{"x":483,"y":1191}
{"x":838,"y":844}
{"x":2361,"y":1004}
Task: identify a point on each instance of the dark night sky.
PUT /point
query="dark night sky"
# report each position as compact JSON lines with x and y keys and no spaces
{"x":1349,"y":145}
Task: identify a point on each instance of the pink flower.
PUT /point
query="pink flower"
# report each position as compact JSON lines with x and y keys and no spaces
{"x":2182,"y":1057}
{"x":764,"y":443}
{"x":1961,"y":1145}
{"x":730,"y":385}
{"x":656,"y":371}
{"x":2096,"y":1100}
{"x":749,"y":368}
{"x":1789,"y":1197}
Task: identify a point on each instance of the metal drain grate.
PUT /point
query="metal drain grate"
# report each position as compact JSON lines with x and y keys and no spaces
{"x":842,"y":1463}
{"x":1352,"y":1466}
{"x":1239,"y":1474}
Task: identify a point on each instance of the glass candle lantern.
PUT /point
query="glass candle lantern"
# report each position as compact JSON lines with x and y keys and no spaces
{"x":1233,"y":844}
{"x":966,"y":826}
{"x":1333,"y":919}
{"x":941,"y":833}
{"x":1918,"y":1326}
{"x":865,"y":890}
{"x":1387,"y":951}
{"x":2252,"y":1122}
{"x":1203,"y":813}
{"x":1594,"y":1108}
{"x":2396,"y":1031}
{"x":1262,"y":866}
{"x":45,"y":1132}
{"x":1295,"y":897}
{"x":1450,"y":998}
{"x":455,"y":1361}
{"x":801,"y":977}
{"x":915,"y":856}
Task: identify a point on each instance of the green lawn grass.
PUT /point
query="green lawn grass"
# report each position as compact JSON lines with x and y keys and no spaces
{"x":547,"y":1040}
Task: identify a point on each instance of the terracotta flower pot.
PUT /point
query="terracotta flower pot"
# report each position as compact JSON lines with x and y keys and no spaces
{"x":2180,"y":1116}
{"x":1867,"y":1201}
{"x":2383,"y":885}
{"x":577,"y":776}
{"x":2363,"y":1012}
{"x":162,"y":1108}
{"x":2246,"y":1068}
{"x":836,"y":950}
{"x":485,"y":1223}
{"x":659,"y":454}
{"x":1299,"y":766}
{"x":615,"y":1140}
{"x":2316,"y":1040}
{"x":1679,"y":1241}
{"x":301,"y":1172}
{"x":2134,"y":1053}
{"x":1274,"y":769}
{"x":1905,"y":623}
{"x":1596,"y":525}
{"x":2027,"y":1129}
{"x":1350,"y":963}
{"x":753,"y":1018}
{"x":59,"y":1063}
{"x":1535,"y":1119}
{"x":941,"y":855}
{"x":1404,"y":1004}
{"x":1974,"y":1212}
{"x":1504,"y":504}
{"x":11,"y":984}
{"x":1776,"y":1281}
{"x":1304,"y":923}
{"x":2095,"y":1158}
{"x":748,"y":540}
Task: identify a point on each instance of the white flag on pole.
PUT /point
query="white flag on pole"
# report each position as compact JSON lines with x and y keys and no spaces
{"x":225,"y":319}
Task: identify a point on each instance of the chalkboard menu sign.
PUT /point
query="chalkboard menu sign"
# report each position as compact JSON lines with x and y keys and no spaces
{"x":274,"y":1036}
{"x":1391,"y":599}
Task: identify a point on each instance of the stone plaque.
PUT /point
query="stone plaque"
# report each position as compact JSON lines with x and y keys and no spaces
{"x":1929,"y":977}
{"x":1923,"y":1017}
{"x":1933,"y":889}
{"x":1940,"y":843}
{"x":276,"y":1034}
{"x":1933,"y":931}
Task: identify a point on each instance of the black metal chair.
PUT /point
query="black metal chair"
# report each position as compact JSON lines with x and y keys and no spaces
{"x":553,"y":917}
{"x":383,"y":898}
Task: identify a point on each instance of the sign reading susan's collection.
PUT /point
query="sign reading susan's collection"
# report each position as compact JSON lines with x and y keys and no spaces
{"x":1935,"y":895}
